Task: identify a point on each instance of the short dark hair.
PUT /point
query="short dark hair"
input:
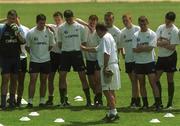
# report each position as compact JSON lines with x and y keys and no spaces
{"x":109,"y":13}
{"x":58,"y":13}
{"x":170,"y":16}
{"x":68,"y":14}
{"x":143,"y":18}
{"x":40,"y":17}
{"x":12,"y":13}
{"x":93,"y":17}
{"x":101,"y":27}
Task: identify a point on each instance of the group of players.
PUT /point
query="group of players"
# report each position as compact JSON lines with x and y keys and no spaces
{"x":56,"y":47}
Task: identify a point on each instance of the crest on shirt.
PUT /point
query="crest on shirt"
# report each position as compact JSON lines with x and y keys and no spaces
{"x":65,"y":32}
{"x":169,"y":33}
{"x":35,"y":38}
{"x":45,"y":36}
{"x":124,"y":36}
{"x":138,"y":39}
{"x":148,"y":37}
{"x":76,"y":29}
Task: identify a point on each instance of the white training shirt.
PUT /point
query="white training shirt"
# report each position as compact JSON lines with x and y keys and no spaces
{"x":71,"y":36}
{"x":171,"y":34}
{"x":115,"y":32}
{"x":149,"y":38}
{"x":92,"y":41}
{"x":39,"y":43}
{"x":23,"y":50}
{"x":55,"y":48}
{"x":126,"y":42}
{"x":107,"y":45}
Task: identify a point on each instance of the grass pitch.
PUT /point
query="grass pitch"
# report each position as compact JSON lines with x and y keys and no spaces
{"x":78,"y":115}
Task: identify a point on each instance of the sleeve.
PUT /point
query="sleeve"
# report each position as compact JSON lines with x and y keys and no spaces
{"x":134,"y":41}
{"x":158,"y":32}
{"x":153,"y":40}
{"x":59,"y":35}
{"x":106,"y":47}
{"x":51,"y":39}
{"x":83,"y":34}
{"x":120,"y":41}
{"x":28,"y":39}
{"x":175,"y":37}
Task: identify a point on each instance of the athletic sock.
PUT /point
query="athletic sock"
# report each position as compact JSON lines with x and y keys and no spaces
{"x":42,"y":100}
{"x":113,"y":111}
{"x":87,"y":94}
{"x":30,"y":100}
{"x":99,"y":98}
{"x":19,"y":100}
{"x":145,"y":101}
{"x":12,"y":99}
{"x":62,"y":95}
{"x":170,"y":92}
{"x":138,"y":102}
{"x":3,"y":101}
{"x":159,"y":88}
{"x":133,"y":100}
{"x":50,"y":98}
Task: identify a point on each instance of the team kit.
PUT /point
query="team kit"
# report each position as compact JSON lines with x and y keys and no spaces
{"x":92,"y":49}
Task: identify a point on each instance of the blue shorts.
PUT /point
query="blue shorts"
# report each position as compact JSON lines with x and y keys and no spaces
{"x":10,"y":65}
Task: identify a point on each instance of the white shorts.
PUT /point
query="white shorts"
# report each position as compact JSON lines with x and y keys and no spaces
{"x":115,"y":83}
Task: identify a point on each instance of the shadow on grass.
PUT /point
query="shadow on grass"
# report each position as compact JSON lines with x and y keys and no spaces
{"x":90,"y":123}
{"x":130,"y":110}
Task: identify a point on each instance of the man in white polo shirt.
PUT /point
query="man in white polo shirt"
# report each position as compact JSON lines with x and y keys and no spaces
{"x":70,"y":36}
{"x":168,"y":38}
{"x":113,"y":30}
{"x":126,"y":42}
{"x":55,"y":55}
{"x":40,"y":40}
{"x":144,"y":42}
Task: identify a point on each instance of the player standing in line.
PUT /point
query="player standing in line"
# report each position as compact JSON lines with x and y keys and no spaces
{"x":110,"y":74}
{"x":11,"y":37}
{"x":92,"y":66}
{"x":126,"y":42}
{"x":55,"y":55}
{"x":144,"y":42}
{"x":113,"y":30}
{"x":22,"y":66}
{"x":70,"y":36}
{"x":40,"y":41}
{"x":168,"y":38}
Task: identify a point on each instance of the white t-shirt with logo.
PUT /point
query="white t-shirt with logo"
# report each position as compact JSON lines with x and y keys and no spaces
{"x":23,"y":50}
{"x":148,"y":38}
{"x":92,"y":41}
{"x":55,"y":48}
{"x":39,"y":43}
{"x":126,"y":42}
{"x":169,"y":33}
{"x":71,"y":36}
{"x":115,"y":32}
{"x":107,"y":45}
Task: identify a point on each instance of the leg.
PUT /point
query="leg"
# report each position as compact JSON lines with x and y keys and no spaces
{"x":4,"y":89}
{"x":50,"y":88}
{"x":20,"y":89}
{"x":13,"y":87}
{"x":85,"y":86}
{"x":43,"y":86}
{"x":170,"y":79}
{"x":141,"y":78}
{"x":32,"y":84}
{"x":62,"y":86}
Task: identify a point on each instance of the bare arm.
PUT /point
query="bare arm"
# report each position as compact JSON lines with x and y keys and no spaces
{"x":161,"y":42}
{"x":142,"y":48}
{"x":106,"y":60}
{"x":27,"y":49}
{"x":170,"y":47}
{"x":88,"y":49}
{"x":3,"y":20}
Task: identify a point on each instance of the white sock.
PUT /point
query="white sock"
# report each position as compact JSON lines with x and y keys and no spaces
{"x":113,"y":111}
{"x":42,"y":100}
{"x":30,"y":100}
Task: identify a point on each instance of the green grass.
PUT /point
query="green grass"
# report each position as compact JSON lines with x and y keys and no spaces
{"x":77,"y":115}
